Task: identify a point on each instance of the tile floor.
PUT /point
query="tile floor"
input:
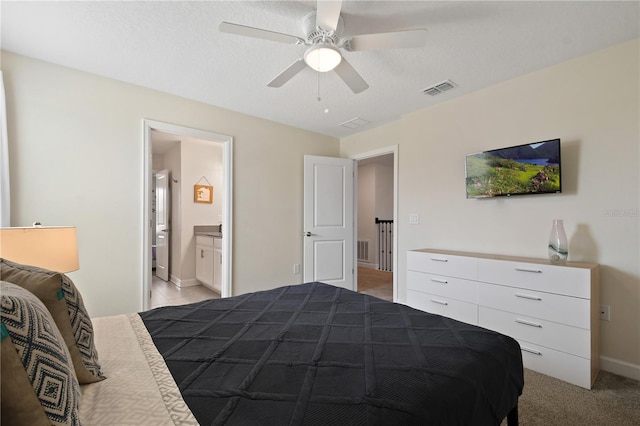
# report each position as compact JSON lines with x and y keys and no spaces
{"x":165,"y":293}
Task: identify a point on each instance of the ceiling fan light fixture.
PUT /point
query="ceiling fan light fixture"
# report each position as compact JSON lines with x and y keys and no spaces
{"x":322,"y":57}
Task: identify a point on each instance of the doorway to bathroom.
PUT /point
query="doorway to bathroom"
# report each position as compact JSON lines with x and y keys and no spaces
{"x":194,"y":160}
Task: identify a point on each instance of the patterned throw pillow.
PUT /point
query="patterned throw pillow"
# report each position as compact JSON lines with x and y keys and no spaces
{"x":63,"y":300}
{"x":28,"y":331}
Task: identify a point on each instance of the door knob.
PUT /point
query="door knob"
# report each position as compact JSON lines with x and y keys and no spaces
{"x":308,"y":234}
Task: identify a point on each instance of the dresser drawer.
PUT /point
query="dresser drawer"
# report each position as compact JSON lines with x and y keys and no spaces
{"x":568,"y":310}
{"x":557,"y":279}
{"x":455,"y":288}
{"x":564,"y":338}
{"x":452,"y":308}
{"x":570,"y":368}
{"x":443,"y":264}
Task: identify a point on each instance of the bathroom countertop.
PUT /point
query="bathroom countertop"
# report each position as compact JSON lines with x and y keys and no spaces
{"x":210,"y":234}
{"x":208,"y":230}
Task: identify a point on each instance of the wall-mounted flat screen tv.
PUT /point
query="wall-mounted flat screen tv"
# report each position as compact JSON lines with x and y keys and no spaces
{"x":517,"y":170}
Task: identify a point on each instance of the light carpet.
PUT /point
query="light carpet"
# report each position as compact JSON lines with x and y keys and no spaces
{"x":614,"y":400}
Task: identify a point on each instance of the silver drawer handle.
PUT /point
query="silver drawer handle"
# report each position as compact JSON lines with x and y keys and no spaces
{"x":436,"y":280}
{"x":439,"y":302}
{"x":532,"y":324}
{"x":535,"y":271}
{"x":437,"y":259}
{"x":531,"y":351}
{"x":526,"y":296}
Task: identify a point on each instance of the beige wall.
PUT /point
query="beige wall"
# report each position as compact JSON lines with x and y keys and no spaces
{"x":592,"y":104}
{"x":384,"y":192}
{"x":76,"y":158}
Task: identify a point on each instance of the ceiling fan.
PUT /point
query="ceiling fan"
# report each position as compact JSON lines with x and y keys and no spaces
{"x":323,"y":29}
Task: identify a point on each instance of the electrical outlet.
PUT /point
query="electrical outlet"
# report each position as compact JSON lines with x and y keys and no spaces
{"x":296,"y":268}
{"x":605,"y":313}
{"x":414,"y":218}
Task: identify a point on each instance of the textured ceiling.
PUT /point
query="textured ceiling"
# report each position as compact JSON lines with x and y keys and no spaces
{"x":175,"y":47}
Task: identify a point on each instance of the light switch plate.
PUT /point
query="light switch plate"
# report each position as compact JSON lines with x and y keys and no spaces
{"x":605,"y":313}
{"x":414,"y":218}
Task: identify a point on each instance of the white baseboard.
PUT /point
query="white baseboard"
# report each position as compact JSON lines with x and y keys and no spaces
{"x":620,"y":368}
{"x":183,"y":283}
{"x":367,"y":265}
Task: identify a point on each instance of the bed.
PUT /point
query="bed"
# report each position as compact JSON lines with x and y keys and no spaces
{"x":303,"y":354}
{"x":318,"y":354}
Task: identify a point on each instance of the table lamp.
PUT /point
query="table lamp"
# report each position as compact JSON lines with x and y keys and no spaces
{"x":49,"y":247}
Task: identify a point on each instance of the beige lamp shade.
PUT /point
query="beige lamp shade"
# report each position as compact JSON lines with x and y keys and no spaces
{"x":50,"y":247}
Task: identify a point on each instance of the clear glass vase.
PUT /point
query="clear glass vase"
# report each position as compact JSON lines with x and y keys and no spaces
{"x":558,"y":246}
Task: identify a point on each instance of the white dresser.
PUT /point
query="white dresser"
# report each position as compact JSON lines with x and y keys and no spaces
{"x":551,"y":310}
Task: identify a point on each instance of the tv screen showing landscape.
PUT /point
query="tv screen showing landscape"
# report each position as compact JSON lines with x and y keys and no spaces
{"x":518,"y":170}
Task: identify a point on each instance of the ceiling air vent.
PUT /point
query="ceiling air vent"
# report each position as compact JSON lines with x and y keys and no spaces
{"x":439,"y":88}
{"x":355,"y":123}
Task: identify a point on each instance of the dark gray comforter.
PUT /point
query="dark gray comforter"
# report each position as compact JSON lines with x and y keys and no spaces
{"x":317,"y":354}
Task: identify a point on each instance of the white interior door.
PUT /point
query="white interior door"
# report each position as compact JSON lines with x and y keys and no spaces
{"x":329,"y":220}
{"x":163,"y":205}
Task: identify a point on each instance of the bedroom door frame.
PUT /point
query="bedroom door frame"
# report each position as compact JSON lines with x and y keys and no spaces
{"x":392,"y":149}
{"x":227,"y":208}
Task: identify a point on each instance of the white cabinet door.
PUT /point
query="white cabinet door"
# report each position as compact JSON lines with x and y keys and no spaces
{"x":204,"y":264}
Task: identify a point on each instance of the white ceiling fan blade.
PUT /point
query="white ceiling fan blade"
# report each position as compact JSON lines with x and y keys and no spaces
{"x":351,"y":77}
{"x":227,"y":27}
{"x":327,"y":14}
{"x":408,"y":38}
{"x":288,"y":74}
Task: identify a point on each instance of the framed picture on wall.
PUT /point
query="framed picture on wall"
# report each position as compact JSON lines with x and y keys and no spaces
{"x":203,"y":194}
